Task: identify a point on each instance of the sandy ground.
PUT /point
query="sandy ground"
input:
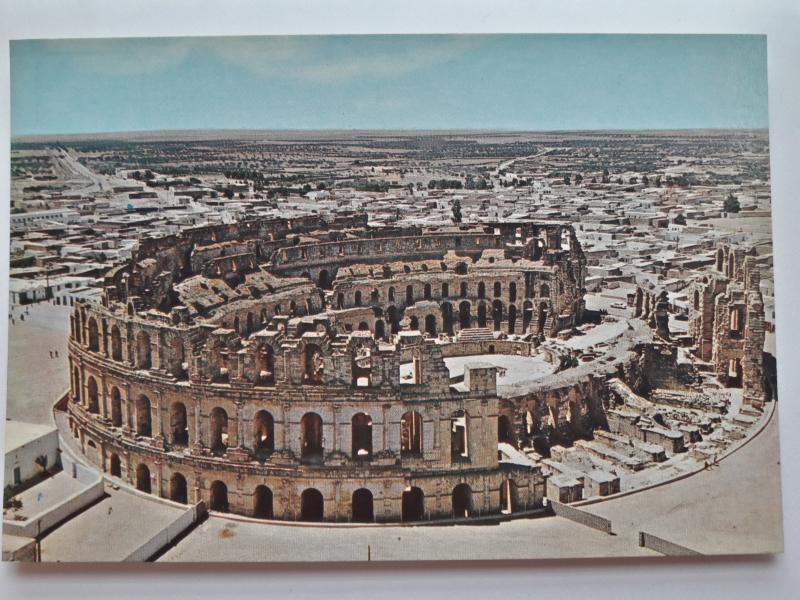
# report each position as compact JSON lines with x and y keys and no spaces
{"x":34,"y":379}
{"x":220,"y":539}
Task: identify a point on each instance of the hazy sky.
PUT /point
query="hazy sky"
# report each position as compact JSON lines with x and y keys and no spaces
{"x":529,"y":82}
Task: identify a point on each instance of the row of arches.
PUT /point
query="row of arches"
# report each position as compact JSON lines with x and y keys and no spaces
{"x":412,"y":295}
{"x":496,"y":318}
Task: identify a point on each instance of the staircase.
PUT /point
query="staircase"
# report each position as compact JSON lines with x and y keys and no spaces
{"x":475,"y":334}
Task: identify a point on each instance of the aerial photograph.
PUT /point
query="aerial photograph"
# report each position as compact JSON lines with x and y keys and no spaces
{"x":390,"y":298}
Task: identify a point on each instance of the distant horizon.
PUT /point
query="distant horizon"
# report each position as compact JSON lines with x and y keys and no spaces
{"x":498,"y":82}
{"x":79,"y":136}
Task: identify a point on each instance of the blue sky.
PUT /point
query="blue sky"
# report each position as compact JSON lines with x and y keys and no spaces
{"x":518,"y":82}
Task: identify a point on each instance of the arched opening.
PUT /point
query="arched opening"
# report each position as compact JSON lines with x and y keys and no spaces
{"x":413,"y":505}
{"x":527,"y":316}
{"x":363,"y":326}
{"x":116,"y":466}
{"x":361,"y":426}
{"x":380,"y":330}
{"x":463,"y":290}
{"x":430,"y":325}
{"x":459,"y":436}
{"x":311,"y":435}
{"x":361,"y":366}
{"x":143,"y":358}
{"x":325,"y":279}
{"x":696,"y":302}
{"x":362,"y":511}
{"x":263,"y":432}
{"x":94,"y":335}
{"x":374,"y":296}
{"x":505,"y":433}
{"x":313,"y":364}
{"x":413,"y":323}
{"x":178,"y":490}
{"x":462,"y":501}
{"x":512,"y":318}
{"x":262,"y":503}
{"x":339,"y":301}
{"x":178,"y":424}
{"x":250,"y":323}
{"x":512,"y":292}
{"x":498,"y":289}
{"x":116,"y":344}
{"x":143,"y":423}
{"x":312,"y":506}
{"x":116,"y":407}
{"x":76,"y":384}
{"x":177,"y":360}
{"x":735,"y":322}
{"x":481,"y":315}
{"x":426,"y":291}
{"x":544,"y":291}
{"x":219,"y":497}
{"x":143,"y":478}
{"x":497,"y":314}
{"x":509,"y":497}
{"x":447,"y":318}
{"x":411,"y":434}
{"x":219,"y":430}
{"x":542,"y":318}
{"x":236,"y":325}
{"x":94,"y":401}
{"x":720,"y":259}
{"x":391,"y":294}
{"x":78,"y":326}
{"x":409,"y":295}
{"x":481,"y":290}
{"x":731,"y":264}
{"x":265,"y":365}
{"x":394,"y":320}
{"x":357,"y":298}
{"x":464,"y":315}
{"x":734,"y":373}
{"x":445,"y":290}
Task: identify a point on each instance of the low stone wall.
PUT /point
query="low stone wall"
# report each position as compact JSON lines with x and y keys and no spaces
{"x":665,"y":547}
{"x":167,"y":535}
{"x":38,"y":524}
{"x":580,"y":516}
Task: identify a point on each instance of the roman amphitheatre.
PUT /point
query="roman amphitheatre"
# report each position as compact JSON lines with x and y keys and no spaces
{"x":328,"y":371}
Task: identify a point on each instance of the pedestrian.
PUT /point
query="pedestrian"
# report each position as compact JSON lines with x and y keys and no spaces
{"x":51,"y":354}
{"x":56,"y":353}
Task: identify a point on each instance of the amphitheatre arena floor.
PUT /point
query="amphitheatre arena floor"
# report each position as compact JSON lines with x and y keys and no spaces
{"x":691,"y":512}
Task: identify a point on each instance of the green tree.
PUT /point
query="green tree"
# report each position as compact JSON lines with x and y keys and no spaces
{"x":680,"y":220}
{"x":457,"y":211}
{"x":8,"y":498}
{"x":731,"y":204}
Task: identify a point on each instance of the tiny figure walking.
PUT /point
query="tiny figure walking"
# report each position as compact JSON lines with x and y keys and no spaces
{"x":51,"y":354}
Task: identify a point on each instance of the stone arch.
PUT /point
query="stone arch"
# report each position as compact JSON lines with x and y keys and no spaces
{"x":512,"y":318}
{"x":144,"y":425}
{"x":362,"y":506}
{"x":76,"y":383}
{"x":312,"y":505}
{"x":393,"y":318}
{"x":380,"y":330}
{"x":94,"y":335}
{"x":696,"y":300}
{"x":177,"y":359}
{"x":116,"y":344}
{"x":462,"y":501}
{"x":313,"y":364}
{"x":219,"y":497}
{"x":143,"y":483}
{"x":447,"y":318}
{"x":498,"y":289}
{"x":265,"y":365}
{"x":115,"y":465}
{"x":459,"y":436}
{"x":263,"y":503}
{"x":426,"y":291}
{"x":311,"y":448}
{"x":430,"y":325}
{"x":481,"y":290}
{"x":409,"y":295}
{"x":361,"y":436}
{"x":413,"y":505}
{"x":325,"y":280}
{"x":497,"y":314}
{"x":509,"y":497}
{"x":178,"y":424}
{"x":512,"y":292}
{"x":464,"y":315}
{"x":143,"y":351}
{"x":720,"y":259}
{"x":542,"y":318}
{"x":263,"y":432}
{"x":218,"y":421}
{"x":544,"y":291}
{"x":178,"y":489}
{"x":505,"y":431}
{"x":413,"y":323}
{"x":481,"y":315}
{"x":445,"y":290}
{"x":357,"y":298}
{"x":527,"y":315}
{"x":93,"y":397}
{"x":411,"y":434}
